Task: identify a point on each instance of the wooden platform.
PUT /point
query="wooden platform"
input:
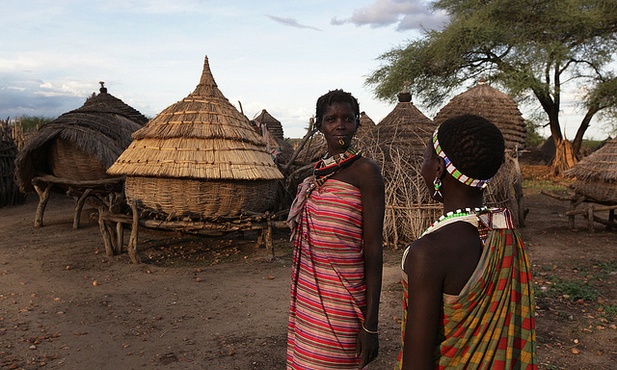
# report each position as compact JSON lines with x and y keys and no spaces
{"x":112,"y":227}
{"x":589,"y":212}
{"x":101,"y":192}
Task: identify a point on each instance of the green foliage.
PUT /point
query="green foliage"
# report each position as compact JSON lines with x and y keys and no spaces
{"x":533,"y":138}
{"x":545,"y":185}
{"x":610,"y":311}
{"x":527,"y":47}
{"x":577,"y":290}
{"x":31,"y":122}
{"x":574,"y":290}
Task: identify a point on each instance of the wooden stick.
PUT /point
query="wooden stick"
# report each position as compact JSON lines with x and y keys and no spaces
{"x":82,"y":183}
{"x":557,"y":196}
{"x":43,"y":191}
{"x":79,"y":205}
{"x":109,"y":251}
{"x":267,"y":235}
{"x":119,"y":238}
{"x":133,"y":239}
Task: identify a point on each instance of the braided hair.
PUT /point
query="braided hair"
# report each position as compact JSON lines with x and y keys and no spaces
{"x":332,"y":97}
{"x":474,"y":145}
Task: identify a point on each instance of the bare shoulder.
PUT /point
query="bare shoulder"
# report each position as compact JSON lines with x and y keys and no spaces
{"x":368,"y":170}
{"x":449,"y":254}
{"x":423,"y":252}
{"x":367,"y":164}
{"x":364,"y":174}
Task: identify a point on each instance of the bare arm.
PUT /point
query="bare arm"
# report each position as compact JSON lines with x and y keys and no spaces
{"x":373,"y":207}
{"x":425,"y":280}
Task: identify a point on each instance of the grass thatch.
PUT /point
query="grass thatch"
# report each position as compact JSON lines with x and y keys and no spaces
{"x":492,"y":104}
{"x":397,"y":144}
{"x":203,"y":136}
{"x":9,"y":191}
{"x":600,"y":165}
{"x":87,"y":138}
{"x":272,"y":131}
{"x":409,"y":207}
{"x":405,"y":128}
{"x":366,"y":129}
{"x":274,"y":126}
{"x":505,"y":190}
{"x":596,"y":174}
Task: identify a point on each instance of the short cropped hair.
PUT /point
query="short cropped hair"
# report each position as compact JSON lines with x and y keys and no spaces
{"x":474,"y":145}
{"x":336,"y":96}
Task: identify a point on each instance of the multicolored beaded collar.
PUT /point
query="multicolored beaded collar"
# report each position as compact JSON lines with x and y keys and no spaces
{"x":444,"y":219}
{"x":327,"y":167}
{"x":455,"y":172}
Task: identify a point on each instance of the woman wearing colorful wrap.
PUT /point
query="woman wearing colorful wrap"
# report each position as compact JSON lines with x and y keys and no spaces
{"x":468,"y":296}
{"x":336,"y":221}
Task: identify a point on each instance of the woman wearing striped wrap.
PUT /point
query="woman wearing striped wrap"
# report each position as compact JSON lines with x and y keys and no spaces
{"x":468,"y":297}
{"x":336,"y":221}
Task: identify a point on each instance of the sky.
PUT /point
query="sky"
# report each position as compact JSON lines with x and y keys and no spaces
{"x":264,"y":54}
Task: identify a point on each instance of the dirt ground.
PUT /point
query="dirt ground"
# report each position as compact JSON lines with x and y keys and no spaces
{"x":217,"y":303}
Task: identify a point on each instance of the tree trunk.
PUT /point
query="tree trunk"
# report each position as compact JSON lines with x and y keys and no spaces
{"x":578,"y":139}
{"x":565,"y":157}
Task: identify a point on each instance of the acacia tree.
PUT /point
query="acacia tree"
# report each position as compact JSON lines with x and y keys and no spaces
{"x":535,"y":49}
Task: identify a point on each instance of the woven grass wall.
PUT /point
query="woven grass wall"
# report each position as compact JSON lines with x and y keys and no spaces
{"x":9,"y":191}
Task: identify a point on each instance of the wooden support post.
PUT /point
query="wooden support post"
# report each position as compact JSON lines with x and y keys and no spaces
{"x":79,"y":205}
{"x":267,"y":238}
{"x":132,"y":246}
{"x":611,"y":219}
{"x":107,"y":240}
{"x":119,"y":238}
{"x":590,"y":219}
{"x":43,"y":192}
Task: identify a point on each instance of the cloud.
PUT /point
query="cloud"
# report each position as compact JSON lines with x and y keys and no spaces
{"x":37,"y":98}
{"x":15,"y":103}
{"x":406,"y":14}
{"x":290,"y":22}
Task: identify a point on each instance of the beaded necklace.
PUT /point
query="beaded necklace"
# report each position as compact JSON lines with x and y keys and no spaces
{"x":327,"y":167}
{"x":454,"y":214}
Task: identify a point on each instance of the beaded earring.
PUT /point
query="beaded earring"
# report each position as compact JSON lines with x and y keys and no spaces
{"x":437,"y":185}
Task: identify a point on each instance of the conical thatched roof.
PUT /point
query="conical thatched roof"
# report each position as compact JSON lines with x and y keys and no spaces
{"x":490,"y":103}
{"x":366,"y":121}
{"x":274,"y":126}
{"x":105,"y":102}
{"x":365,"y":131}
{"x":80,"y":144}
{"x":600,"y":165}
{"x":405,"y":127}
{"x":203,"y":136}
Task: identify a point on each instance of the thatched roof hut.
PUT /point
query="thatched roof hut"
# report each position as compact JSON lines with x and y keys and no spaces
{"x":364,"y":135}
{"x":365,"y":120}
{"x":596,"y":174}
{"x":505,"y":189}
{"x":398,"y":146}
{"x":81,"y":144}
{"x":200,"y":158}
{"x":492,"y":104}
{"x":404,"y":129}
{"x":272,"y":131}
{"x":274,"y":126}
